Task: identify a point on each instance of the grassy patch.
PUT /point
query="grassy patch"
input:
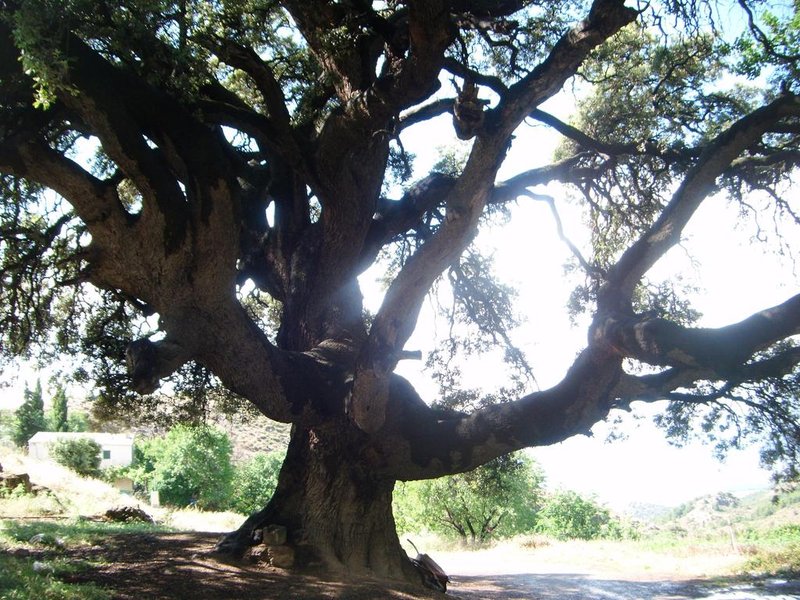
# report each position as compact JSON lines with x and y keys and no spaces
{"x":784,"y":561}
{"x":26,"y":579}
{"x":19,"y":503}
{"x":775,"y":551}
{"x":73,"y":532}
{"x":39,"y":570}
{"x":782,"y":534}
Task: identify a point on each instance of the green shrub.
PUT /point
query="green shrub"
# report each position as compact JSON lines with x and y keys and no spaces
{"x":783,"y":561}
{"x":19,"y":581}
{"x":254,"y":482}
{"x":499,"y":499}
{"x":568,"y":515}
{"x":82,"y":455}
{"x":188,"y":466}
{"x":14,"y":493}
{"x":789,"y":532}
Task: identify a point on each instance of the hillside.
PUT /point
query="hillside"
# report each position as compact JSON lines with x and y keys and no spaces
{"x":760,"y":510}
{"x":253,"y":434}
{"x":68,"y":496}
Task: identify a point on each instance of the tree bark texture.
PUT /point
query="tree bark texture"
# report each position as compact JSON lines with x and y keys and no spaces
{"x":298,"y":212}
{"x":337,"y":512}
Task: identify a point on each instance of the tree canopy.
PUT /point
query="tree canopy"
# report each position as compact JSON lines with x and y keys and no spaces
{"x":248,"y":164}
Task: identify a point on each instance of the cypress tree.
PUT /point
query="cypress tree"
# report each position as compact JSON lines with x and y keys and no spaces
{"x":29,"y":416}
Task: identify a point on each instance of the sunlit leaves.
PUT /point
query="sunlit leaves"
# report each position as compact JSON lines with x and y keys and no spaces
{"x":36,"y":33}
{"x":772,"y":46}
{"x":498,"y":499}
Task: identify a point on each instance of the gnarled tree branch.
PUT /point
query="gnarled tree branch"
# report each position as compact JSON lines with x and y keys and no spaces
{"x":698,"y":183}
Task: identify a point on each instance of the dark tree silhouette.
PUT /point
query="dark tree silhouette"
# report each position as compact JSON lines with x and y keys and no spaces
{"x":257,"y":144}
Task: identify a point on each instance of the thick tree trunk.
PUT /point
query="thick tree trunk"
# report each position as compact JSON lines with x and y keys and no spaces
{"x":338,"y":515}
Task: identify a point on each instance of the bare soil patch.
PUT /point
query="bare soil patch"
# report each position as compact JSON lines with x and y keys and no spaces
{"x":180,"y":565}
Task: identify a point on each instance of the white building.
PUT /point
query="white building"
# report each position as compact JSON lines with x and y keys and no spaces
{"x":116,"y":449}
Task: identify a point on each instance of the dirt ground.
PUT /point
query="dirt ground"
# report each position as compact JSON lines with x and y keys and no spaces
{"x":178,"y":566}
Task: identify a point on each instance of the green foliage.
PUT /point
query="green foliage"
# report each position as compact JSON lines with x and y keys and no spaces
{"x":58,"y":418}
{"x":568,"y":515}
{"x":664,"y":99}
{"x":7,"y":424}
{"x":254,"y":482}
{"x":81,"y":455}
{"x":188,"y":466}
{"x":786,"y":533}
{"x":502,"y":498}
{"x":496,"y":500}
{"x":30,"y":417}
{"x":77,"y":421}
{"x":15,"y":493}
{"x":77,"y":531}
{"x":20,"y":502}
{"x":19,"y":581}
{"x":783,"y":561}
{"x":772,"y":47}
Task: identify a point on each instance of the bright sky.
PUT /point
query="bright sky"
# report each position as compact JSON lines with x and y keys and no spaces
{"x":736,"y":279}
{"x":643,"y":467}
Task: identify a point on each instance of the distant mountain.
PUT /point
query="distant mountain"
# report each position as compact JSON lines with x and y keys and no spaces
{"x":646,"y":512}
{"x":724,"y":510}
{"x":254,"y":434}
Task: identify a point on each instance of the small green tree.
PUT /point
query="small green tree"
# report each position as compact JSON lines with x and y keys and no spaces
{"x":77,"y":421}
{"x":7,"y":424}
{"x":81,"y":455}
{"x":189,"y":465}
{"x":498,"y":499}
{"x":254,"y":482}
{"x":58,"y":419}
{"x":29,"y":416}
{"x":568,"y":515}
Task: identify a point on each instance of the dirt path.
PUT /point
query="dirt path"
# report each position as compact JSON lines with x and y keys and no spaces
{"x":576,"y":586}
{"x":174,"y":566}
{"x":600,"y":571}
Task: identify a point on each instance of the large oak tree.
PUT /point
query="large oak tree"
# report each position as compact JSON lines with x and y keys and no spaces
{"x":248,"y":166}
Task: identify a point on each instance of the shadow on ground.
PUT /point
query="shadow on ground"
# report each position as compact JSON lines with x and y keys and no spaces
{"x":178,"y":565}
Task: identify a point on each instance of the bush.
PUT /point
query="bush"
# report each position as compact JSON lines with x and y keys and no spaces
{"x":568,"y":515}
{"x":499,"y":499}
{"x":188,"y":466}
{"x":254,"y":482}
{"x":81,"y":455}
{"x":783,"y":561}
{"x":786,"y":533}
{"x":78,"y":421}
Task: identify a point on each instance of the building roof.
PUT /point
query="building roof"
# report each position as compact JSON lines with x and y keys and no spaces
{"x":107,"y":439}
